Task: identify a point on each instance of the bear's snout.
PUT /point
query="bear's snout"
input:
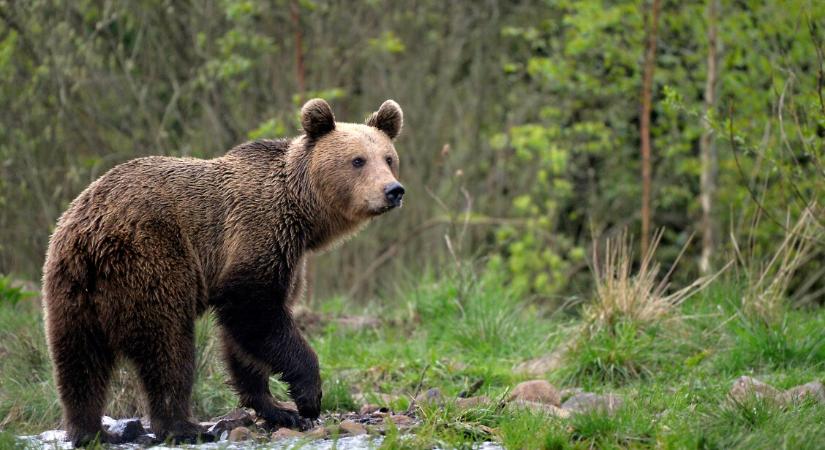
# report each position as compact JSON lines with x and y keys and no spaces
{"x":394,"y":193}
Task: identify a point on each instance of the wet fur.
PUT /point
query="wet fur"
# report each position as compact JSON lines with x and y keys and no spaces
{"x":158,"y":241}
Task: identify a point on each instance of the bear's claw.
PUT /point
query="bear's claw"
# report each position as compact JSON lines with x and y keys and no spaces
{"x":277,"y":418}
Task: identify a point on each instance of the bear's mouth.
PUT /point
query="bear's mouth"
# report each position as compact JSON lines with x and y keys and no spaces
{"x":384,"y":209}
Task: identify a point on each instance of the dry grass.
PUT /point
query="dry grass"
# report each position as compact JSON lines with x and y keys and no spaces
{"x":639,"y":296}
{"x":767,"y":282}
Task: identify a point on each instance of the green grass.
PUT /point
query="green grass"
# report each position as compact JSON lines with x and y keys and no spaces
{"x":451,"y":332}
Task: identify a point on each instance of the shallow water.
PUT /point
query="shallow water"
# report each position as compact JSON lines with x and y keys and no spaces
{"x":55,"y":440}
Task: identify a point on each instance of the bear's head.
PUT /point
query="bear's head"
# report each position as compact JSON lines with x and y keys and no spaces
{"x":353,"y":168}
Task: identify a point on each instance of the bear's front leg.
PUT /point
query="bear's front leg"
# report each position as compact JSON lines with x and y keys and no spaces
{"x":261,"y":341}
{"x":250,"y":378}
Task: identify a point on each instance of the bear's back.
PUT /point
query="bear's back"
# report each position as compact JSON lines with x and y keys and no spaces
{"x":153,"y":205}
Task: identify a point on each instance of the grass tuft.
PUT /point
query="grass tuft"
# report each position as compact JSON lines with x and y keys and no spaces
{"x":625,"y":295}
{"x":631,"y":310}
{"x":767,"y":282}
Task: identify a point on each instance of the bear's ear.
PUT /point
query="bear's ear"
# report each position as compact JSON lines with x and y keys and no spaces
{"x":317,"y":118}
{"x":388,"y":119}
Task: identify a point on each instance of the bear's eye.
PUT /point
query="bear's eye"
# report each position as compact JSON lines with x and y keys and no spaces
{"x":389,"y":160}
{"x":358,"y":162}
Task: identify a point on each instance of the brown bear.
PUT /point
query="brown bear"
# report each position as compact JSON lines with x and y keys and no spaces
{"x":158,"y":241}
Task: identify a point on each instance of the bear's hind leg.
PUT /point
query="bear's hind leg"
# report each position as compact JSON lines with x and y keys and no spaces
{"x":165,"y":362}
{"x":83,"y":365}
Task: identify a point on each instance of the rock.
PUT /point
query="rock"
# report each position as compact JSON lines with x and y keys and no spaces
{"x":810,"y":391}
{"x":316,"y":433}
{"x":352,"y":428}
{"x":52,"y":436}
{"x":746,"y":387}
{"x":146,"y":440}
{"x":539,"y":391}
{"x":401,"y":419}
{"x":432,"y":396}
{"x":544,"y":408}
{"x":240,"y":434}
{"x":126,"y":429}
{"x":370,"y":408}
{"x":472,"y":402}
{"x":569,"y":392}
{"x":228,"y":422}
{"x":239,"y":414}
{"x":587,"y":402}
{"x":286,"y":433}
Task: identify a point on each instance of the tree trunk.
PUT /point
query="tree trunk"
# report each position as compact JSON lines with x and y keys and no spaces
{"x":647,"y":94}
{"x":300,"y":75}
{"x":709,"y":157}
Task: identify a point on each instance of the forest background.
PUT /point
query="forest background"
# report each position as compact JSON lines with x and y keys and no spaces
{"x":526,"y":122}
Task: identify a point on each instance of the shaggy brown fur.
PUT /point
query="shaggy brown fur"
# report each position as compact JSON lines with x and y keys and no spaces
{"x":157,"y":241}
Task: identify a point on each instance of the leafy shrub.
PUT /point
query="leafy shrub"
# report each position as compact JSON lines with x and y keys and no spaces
{"x":11,"y":294}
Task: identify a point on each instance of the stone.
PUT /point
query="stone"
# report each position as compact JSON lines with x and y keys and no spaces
{"x":586,"y":402}
{"x":239,"y":414}
{"x":569,"y":392}
{"x":371,"y":408}
{"x":401,"y":419}
{"x":286,"y":433}
{"x":432,"y":396}
{"x":228,"y":422}
{"x":472,"y":402}
{"x":316,"y":433}
{"x":52,"y":436}
{"x":543,"y":408}
{"x":539,"y":391}
{"x":240,"y":434}
{"x":352,"y":428}
{"x":127,"y":430}
{"x":746,"y":387}
{"x":146,"y":440}
{"x":809,"y":391}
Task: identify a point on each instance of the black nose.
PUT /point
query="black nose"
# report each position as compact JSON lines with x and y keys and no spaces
{"x":394,"y":191}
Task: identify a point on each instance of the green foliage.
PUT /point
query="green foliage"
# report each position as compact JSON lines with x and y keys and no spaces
{"x":388,"y":42}
{"x":337,"y":397}
{"x":11,"y":294}
{"x":758,"y":424}
{"x":522,"y":118}
{"x":667,"y":403}
{"x":614,"y":356}
{"x":527,"y":113}
{"x":789,"y":343}
{"x":478,"y":314}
